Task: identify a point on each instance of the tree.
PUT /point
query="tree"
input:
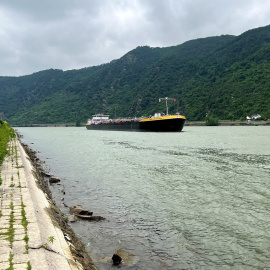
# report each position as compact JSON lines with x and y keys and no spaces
{"x":211,"y":121}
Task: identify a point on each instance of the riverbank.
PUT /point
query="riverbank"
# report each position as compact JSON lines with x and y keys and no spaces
{"x":34,"y":234}
{"x":188,"y":123}
{"x":231,"y":123}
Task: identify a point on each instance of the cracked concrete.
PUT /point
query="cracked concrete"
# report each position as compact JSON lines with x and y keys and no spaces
{"x":28,"y":237}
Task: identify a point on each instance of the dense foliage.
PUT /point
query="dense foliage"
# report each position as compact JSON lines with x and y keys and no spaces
{"x":6,"y":132}
{"x":226,"y":77}
{"x":211,"y":121}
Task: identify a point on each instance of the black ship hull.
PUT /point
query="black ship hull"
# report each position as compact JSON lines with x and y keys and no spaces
{"x":168,"y":125}
{"x":124,"y":126}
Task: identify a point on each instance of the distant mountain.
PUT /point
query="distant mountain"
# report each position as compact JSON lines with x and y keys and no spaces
{"x":227,"y":77}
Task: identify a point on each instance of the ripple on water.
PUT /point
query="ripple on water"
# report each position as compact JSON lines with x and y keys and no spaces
{"x":192,"y":200}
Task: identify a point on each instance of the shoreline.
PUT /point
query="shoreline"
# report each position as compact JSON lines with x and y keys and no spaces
{"x":34,"y":233}
{"x":230,"y":123}
{"x":77,"y":248}
{"x":187,"y":123}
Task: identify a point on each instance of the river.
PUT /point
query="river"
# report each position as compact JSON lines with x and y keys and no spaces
{"x":197,"y":199}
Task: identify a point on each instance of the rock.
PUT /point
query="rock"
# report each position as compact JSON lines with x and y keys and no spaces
{"x":72,"y":218}
{"x":64,"y":204}
{"x":127,"y":257}
{"x":53,"y":180}
{"x":45,"y":174}
{"x":82,"y":213}
{"x":116,"y":259}
{"x":79,"y":210}
{"x":67,"y":237}
{"x":90,"y":218}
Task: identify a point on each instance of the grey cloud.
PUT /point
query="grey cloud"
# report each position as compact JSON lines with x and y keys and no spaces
{"x":37,"y":35}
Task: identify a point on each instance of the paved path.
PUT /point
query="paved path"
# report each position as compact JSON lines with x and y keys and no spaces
{"x":28,"y":237}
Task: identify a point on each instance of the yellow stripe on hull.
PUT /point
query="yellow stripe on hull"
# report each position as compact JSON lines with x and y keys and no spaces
{"x":166,"y":117}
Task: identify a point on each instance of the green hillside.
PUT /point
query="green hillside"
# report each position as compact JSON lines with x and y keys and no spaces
{"x":227,"y":77}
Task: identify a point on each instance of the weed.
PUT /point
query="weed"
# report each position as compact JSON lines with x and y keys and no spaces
{"x":11,"y":230}
{"x":6,"y":131}
{"x":29,"y":266}
{"x":10,"y":261}
{"x":24,"y":223}
{"x":26,"y":238}
{"x":24,"y":220}
{"x":50,"y":239}
{"x":11,"y":206}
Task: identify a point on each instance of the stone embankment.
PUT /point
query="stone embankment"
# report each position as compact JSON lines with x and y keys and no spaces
{"x":231,"y":123}
{"x":33,"y":232}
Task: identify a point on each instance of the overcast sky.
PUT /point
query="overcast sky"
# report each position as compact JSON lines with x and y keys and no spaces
{"x":71,"y":34}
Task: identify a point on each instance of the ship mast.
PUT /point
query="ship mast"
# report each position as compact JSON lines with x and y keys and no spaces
{"x":166,"y":99}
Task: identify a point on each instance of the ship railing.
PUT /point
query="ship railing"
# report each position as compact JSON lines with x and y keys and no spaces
{"x":114,"y":121}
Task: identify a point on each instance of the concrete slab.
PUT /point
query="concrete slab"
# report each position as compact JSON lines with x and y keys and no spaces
{"x":19,"y":247}
{"x":4,"y":257}
{"x":20,"y":266}
{"x":4,"y":221}
{"x":20,"y":258}
{"x":4,"y":265}
{"x":18,"y":227}
{"x":5,"y":247}
{"x":6,"y":212}
{"x":19,"y":237}
{"x":41,"y":253}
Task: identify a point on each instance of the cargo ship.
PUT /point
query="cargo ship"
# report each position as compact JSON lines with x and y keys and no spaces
{"x":157,"y":123}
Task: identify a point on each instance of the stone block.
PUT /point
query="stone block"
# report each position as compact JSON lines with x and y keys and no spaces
{"x":20,"y":266}
{"x":4,"y":247}
{"x":4,"y":265}
{"x":4,"y":257}
{"x":19,"y":236}
{"x":19,"y":247}
{"x":20,"y":258}
{"x":4,"y":223}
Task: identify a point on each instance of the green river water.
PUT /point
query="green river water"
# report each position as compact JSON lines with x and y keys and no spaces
{"x":197,"y":199}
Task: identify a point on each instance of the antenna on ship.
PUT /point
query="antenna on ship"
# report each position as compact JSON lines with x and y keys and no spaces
{"x":166,"y":99}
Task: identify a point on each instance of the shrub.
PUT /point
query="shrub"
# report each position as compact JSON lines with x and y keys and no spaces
{"x":211,"y":121}
{"x":6,"y":132}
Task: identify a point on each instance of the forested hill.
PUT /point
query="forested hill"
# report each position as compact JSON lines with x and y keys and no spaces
{"x":227,"y":77}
